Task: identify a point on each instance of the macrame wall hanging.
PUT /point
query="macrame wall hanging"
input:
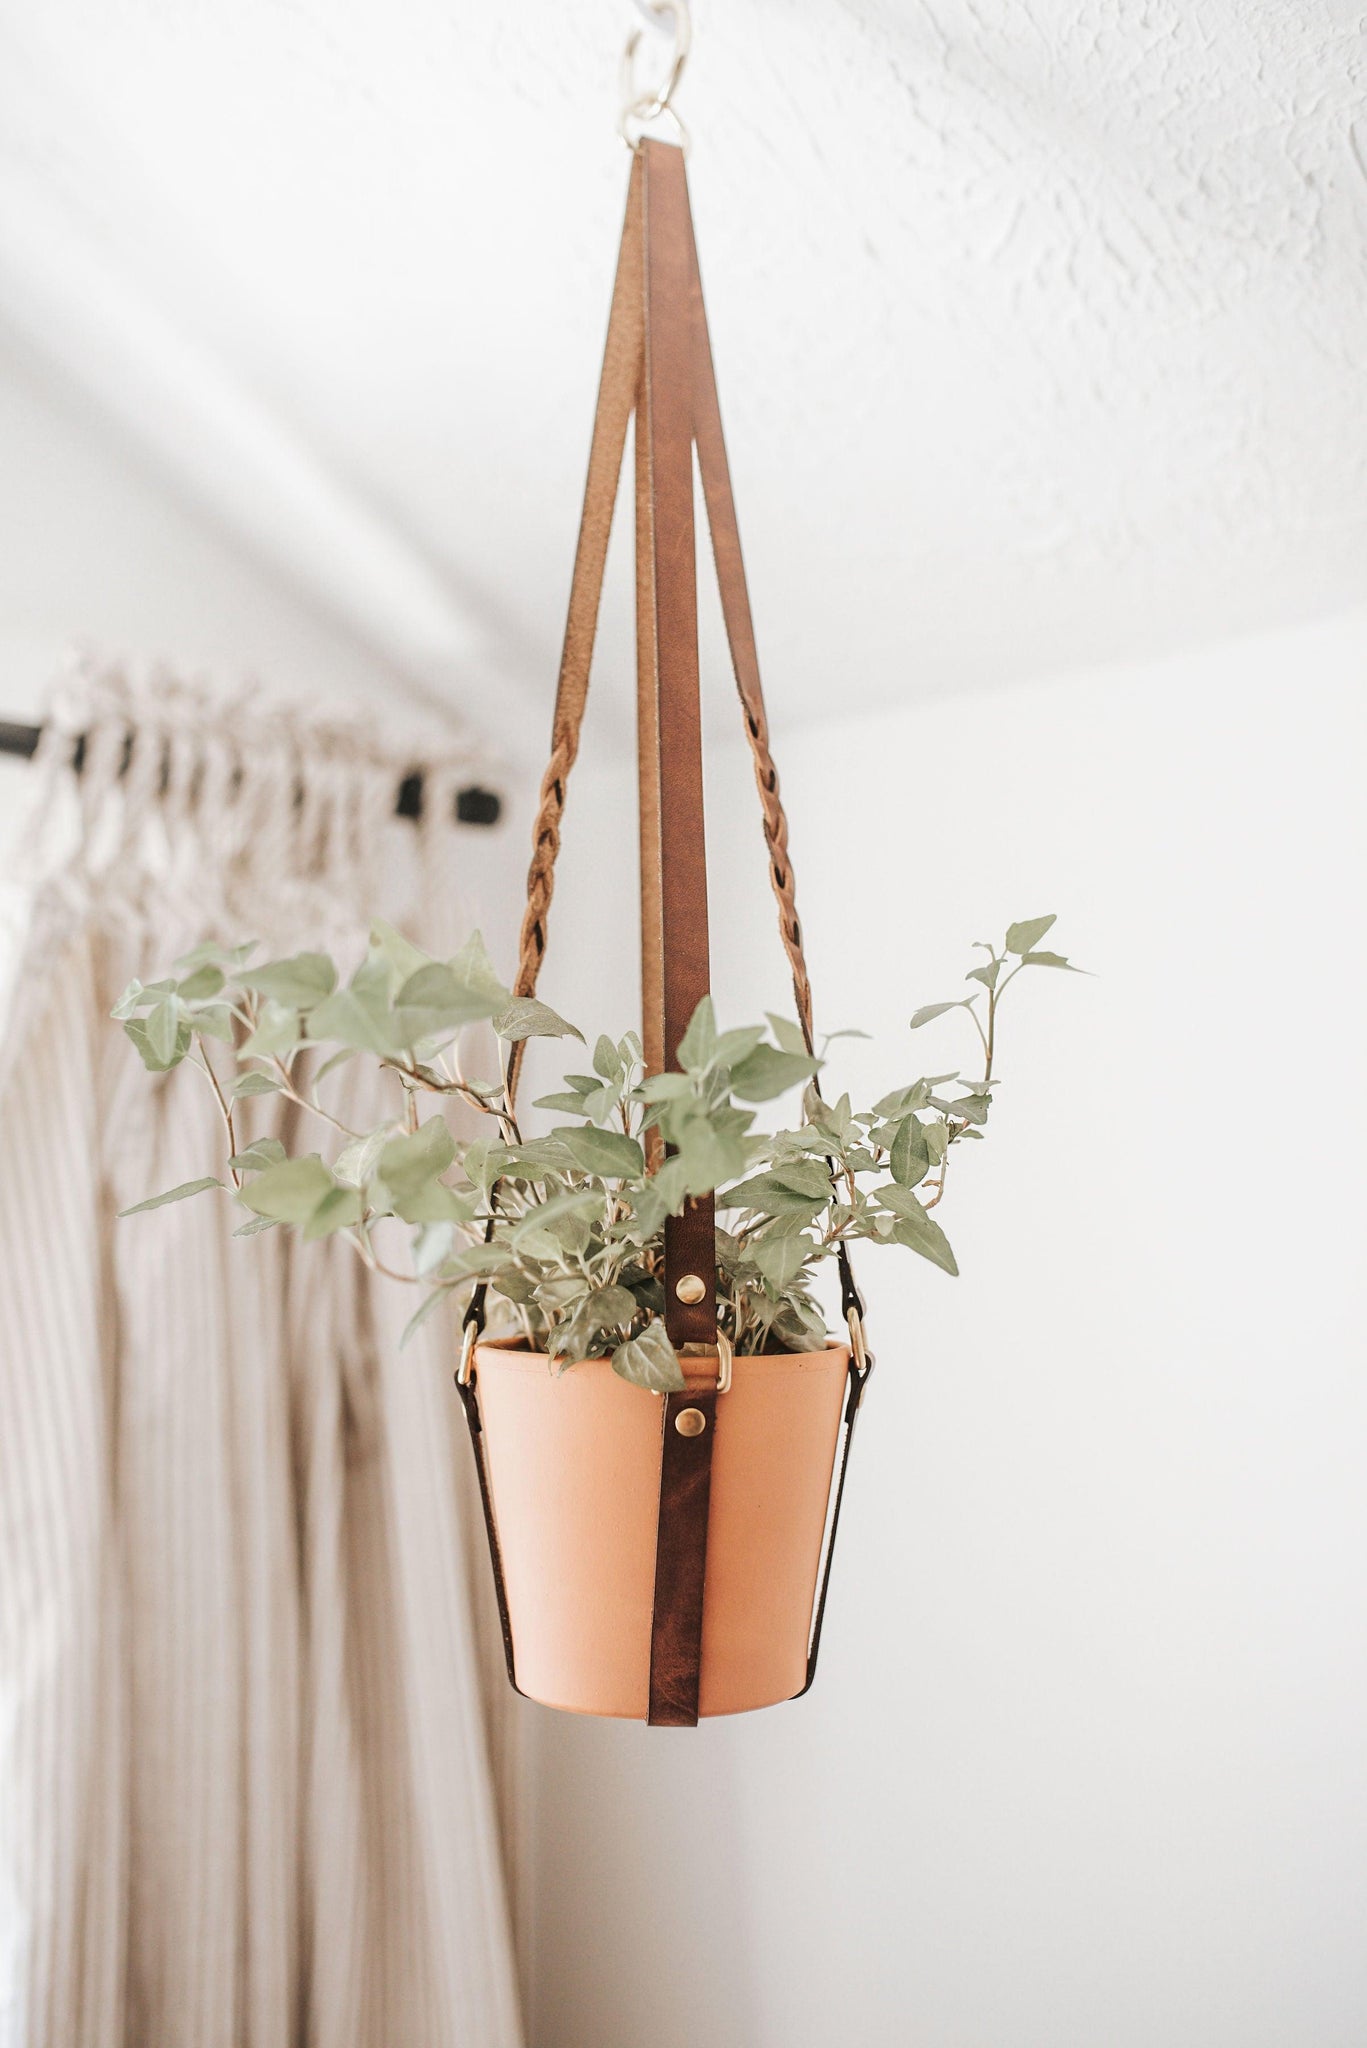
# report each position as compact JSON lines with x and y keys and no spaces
{"x":661,"y":1556}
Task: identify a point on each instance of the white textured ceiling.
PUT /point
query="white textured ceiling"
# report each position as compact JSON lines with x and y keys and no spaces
{"x":1041,"y":327}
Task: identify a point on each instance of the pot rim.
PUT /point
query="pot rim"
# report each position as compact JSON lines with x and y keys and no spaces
{"x":514,"y":1354}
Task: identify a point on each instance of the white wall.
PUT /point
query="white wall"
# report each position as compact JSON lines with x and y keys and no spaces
{"x":1084,"y":1764}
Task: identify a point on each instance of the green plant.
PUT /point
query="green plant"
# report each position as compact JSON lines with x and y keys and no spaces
{"x":566,"y":1228}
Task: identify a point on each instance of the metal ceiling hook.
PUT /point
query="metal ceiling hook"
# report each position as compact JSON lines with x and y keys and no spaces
{"x":642,"y":104}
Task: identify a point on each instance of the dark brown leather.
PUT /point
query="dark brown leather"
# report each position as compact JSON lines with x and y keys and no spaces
{"x":470,"y":1403}
{"x":664,"y":427}
{"x":680,"y":1557}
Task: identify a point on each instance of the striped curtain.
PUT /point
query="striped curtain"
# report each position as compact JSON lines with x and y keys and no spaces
{"x":253,"y":1741}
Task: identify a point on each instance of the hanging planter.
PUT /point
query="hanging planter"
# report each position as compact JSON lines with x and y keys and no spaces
{"x":661,"y":1422}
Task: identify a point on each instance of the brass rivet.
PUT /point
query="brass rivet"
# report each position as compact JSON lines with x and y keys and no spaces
{"x":690,"y":1422}
{"x":691,"y":1288}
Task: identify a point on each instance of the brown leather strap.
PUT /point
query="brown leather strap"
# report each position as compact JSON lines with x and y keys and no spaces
{"x":680,"y":1554}
{"x":664,"y":427}
{"x":470,"y":1402}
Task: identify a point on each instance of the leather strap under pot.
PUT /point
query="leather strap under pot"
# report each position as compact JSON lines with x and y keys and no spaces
{"x":658,"y":365}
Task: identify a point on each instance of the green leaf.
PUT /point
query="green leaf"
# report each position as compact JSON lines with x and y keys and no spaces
{"x":253,"y":1084}
{"x":650,"y":1361}
{"x":932,"y":1010}
{"x":571,"y":1105}
{"x":910,"y":1157}
{"x":399,"y":954}
{"x":915,"y":1229}
{"x":971,"y":1109}
{"x":299,"y":982}
{"x":163,"y":1028}
{"x":734,"y":1046}
{"x":779,"y":1258}
{"x":708,"y":1156}
{"x":765,"y":1073}
{"x":770,"y":1193}
{"x":230,"y":958}
{"x":205,"y":981}
{"x":288,"y":1192}
{"x":214,"y":1020}
{"x":136,"y":1029}
{"x":609,"y":1154}
{"x":787,"y":1034}
{"x":339,"y":1209}
{"x":357,"y":1161}
{"x":699,"y":1041}
{"x":187,"y":1187}
{"x":1025,"y":936}
{"x":903,"y":1100}
{"x":260,"y":1153}
{"x":987,"y":975}
{"x":359,"y":1017}
{"x":473,"y":967}
{"x":277,"y":1031}
{"x":607,"y":1060}
{"x":408,"y":1164}
{"x":256,"y":1225}
{"x":1050,"y":960}
{"x":525,"y":1017}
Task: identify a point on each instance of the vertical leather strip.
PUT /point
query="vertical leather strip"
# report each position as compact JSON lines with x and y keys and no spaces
{"x":665,"y":421}
{"x":680,"y":1559}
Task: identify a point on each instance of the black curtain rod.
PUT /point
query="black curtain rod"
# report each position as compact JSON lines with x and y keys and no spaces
{"x":474,"y":806}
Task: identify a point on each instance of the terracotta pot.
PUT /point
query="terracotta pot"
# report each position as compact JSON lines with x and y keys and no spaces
{"x":574,"y":1470}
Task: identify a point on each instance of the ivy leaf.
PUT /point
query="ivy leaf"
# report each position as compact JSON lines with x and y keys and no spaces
{"x":734,"y":1046}
{"x":650,"y":1360}
{"x":765,"y":1073}
{"x":787,"y":1033}
{"x":708,"y":1156}
{"x":770,"y":1193}
{"x":567,"y":1104}
{"x":699,"y":1041}
{"x":136,"y":1028}
{"x":1025,"y":936}
{"x":915,"y":1229}
{"x":163,"y":1027}
{"x":608,"y":1063}
{"x":299,"y":982}
{"x":215,"y":1020}
{"x":408,"y":1164}
{"x":358,"y":1016}
{"x":525,"y":1017}
{"x":339,"y":1209}
{"x":910,"y":1157}
{"x":610,"y":1154}
{"x":399,"y":954}
{"x":1050,"y":960}
{"x":987,"y":974}
{"x":255,"y":1225}
{"x":277,"y":1031}
{"x":289,"y":1191}
{"x":205,"y":981}
{"x":357,"y":1161}
{"x":253,"y":1084}
{"x":779,"y":1259}
{"x":186,"y":1188}
{"x":475,"y":969}
{"x":903,"y":1100}
{"x":929,"y":1011}
{"x":262,"y":1152}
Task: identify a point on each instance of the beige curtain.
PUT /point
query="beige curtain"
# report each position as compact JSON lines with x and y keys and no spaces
{"x":253,"y":1742}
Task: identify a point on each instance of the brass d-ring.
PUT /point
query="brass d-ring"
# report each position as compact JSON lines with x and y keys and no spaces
{"x":467,"y":1354}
